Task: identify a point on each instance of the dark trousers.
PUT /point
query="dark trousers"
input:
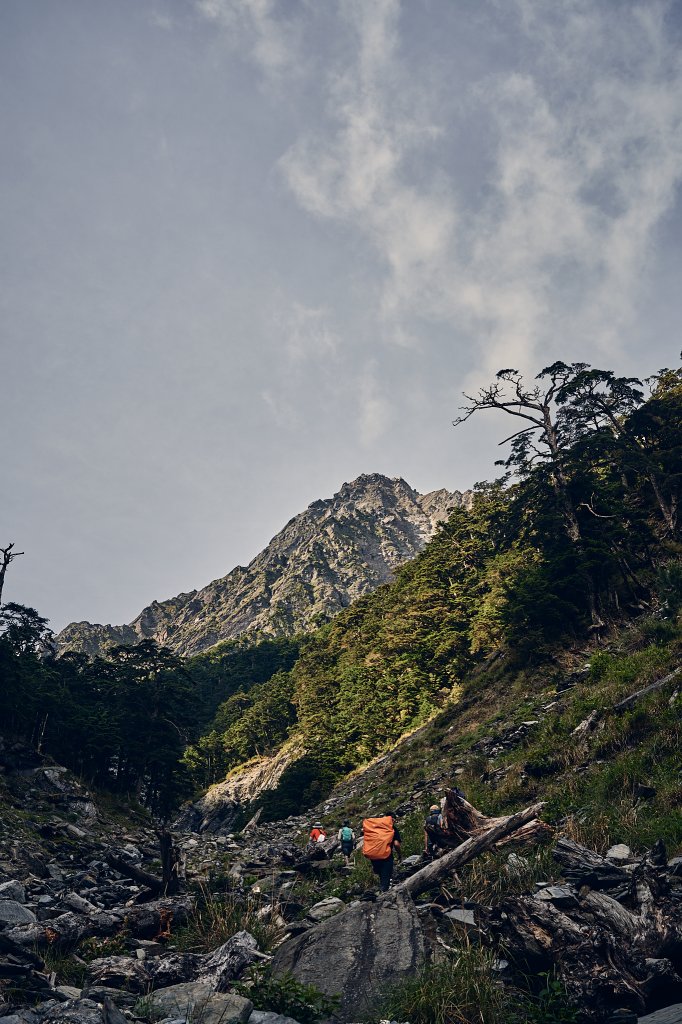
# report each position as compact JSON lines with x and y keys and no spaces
{"x":384,"y":869}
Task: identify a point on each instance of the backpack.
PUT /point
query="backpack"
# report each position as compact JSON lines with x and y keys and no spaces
{"x":346,"y":834}
{"x":379,"y":835}
{"x":433,"y":819}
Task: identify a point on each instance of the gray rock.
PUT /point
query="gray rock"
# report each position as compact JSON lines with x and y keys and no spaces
{"x":70,"y":991}
{"x":197,"y":1001}
{"x":465,"y":917}
{"x":326,"y":908}
{"x":358,"y":952}
{"x":619,"y":853}
{"x":268,"y":1017}
{"x":12,"y":890}
{"x":411,"y":862}
{"x":14,"y":913}
{"x":668,"y":1015}
{"x":559,"y":895}
{"x":119,"y":997}
{"x":74,"y":1011}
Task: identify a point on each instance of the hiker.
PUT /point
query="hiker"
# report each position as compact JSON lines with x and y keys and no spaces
{"x":346,"y":837}
{"x":381,"y":838}
{"x":433,"y":820}
{"x":317,"y":833}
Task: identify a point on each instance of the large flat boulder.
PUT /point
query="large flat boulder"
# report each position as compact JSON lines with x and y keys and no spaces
{"x":358,"y":953}
{"x":196,"y":1001}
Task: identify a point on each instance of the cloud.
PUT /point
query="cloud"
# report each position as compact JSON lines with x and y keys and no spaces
{"x":255,"y":25}
{"x":550,"y":248}
{"x":307,"y":334}
{"x":586,"y":161}
{"x":374,"y":408}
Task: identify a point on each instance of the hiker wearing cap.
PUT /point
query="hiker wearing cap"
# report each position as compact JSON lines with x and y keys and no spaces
{"x":317,"y":833}
{"x":346,"y":837}
{"x":381,"y":838}
{"x":433,"y":820}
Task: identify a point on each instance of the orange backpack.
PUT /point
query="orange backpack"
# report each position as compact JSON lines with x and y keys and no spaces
{"x":379,"y":835}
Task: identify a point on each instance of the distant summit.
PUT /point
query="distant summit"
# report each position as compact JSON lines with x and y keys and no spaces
{"x":324,"y":559}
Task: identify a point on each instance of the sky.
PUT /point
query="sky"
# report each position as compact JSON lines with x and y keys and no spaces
{"x":250,"y":249}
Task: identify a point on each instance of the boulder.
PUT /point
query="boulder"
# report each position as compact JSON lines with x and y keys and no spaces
{"x":619,"y":853}
{"x":357,"y":953}
{"x":12,"y":890}
{"x":326,"y":908}
{"x":197,"y":1001}
{"x":13,"y":913}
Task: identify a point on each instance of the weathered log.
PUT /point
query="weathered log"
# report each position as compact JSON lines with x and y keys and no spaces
{"x":472,"y":847}
{"x":627,"y":702}
{"x":585,"y":867}
{"x":146,"y":921}
{"x":462,"y":820}
{"x":124,"y":867}
{"x":136,"y":873}
{"x":218,"y":968}
{"x":609,"y":954}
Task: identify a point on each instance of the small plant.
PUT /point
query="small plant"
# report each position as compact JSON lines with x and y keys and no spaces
{"x":68,"y":970}
{"x":93,"y":948}
{"x":287,"y":996}
{"x":548,"y":1006}
{"x":146,"y":1009}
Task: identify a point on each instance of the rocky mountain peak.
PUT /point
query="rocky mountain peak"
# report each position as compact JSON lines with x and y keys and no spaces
{"x":326,"y":557}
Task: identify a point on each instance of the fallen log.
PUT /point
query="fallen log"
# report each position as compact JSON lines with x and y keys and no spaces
{"x":627,"y":702}
{"x":468,"y":850}
{"x":462,"y":820}
{"x":148,"y":921}
{"x":124,"y":867}
{"x":616,"y":949}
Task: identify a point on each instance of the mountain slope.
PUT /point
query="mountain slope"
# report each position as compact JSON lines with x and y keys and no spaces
{"x":326,"y":557}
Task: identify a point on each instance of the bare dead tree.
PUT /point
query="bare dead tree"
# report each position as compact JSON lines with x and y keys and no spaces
{"x":540,"y":440}
{"x":8,"y":556}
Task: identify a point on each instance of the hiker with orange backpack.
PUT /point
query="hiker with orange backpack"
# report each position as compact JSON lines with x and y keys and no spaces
{"x":381,"y":838}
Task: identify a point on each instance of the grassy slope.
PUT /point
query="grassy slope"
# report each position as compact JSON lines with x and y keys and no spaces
{"x":589,"y":782}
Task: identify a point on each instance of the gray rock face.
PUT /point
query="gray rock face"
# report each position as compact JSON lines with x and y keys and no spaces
{"x":324,"y":559}
{"x":13,"y":913}
{"x":197,"y":1001}
{"x":357,"y":953}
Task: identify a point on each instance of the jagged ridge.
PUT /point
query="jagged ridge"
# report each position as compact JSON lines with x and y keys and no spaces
{"x":326,"y":557}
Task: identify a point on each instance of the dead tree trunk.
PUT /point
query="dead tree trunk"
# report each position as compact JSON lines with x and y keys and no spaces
{"x":170,"y":863}
{"x":472,"y":847}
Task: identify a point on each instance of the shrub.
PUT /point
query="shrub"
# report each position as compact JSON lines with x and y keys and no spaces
{"x":287,"y":996}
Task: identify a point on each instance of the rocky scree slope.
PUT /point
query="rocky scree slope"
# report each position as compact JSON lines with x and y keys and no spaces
{"x":326,"y":557}
{"x":82,"y":943}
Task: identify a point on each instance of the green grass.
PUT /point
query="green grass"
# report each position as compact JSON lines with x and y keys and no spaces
{"x":460,"y":990}
{"x":217,"y":917}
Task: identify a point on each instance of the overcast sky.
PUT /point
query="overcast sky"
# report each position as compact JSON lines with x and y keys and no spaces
{"x":253,"y":248}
